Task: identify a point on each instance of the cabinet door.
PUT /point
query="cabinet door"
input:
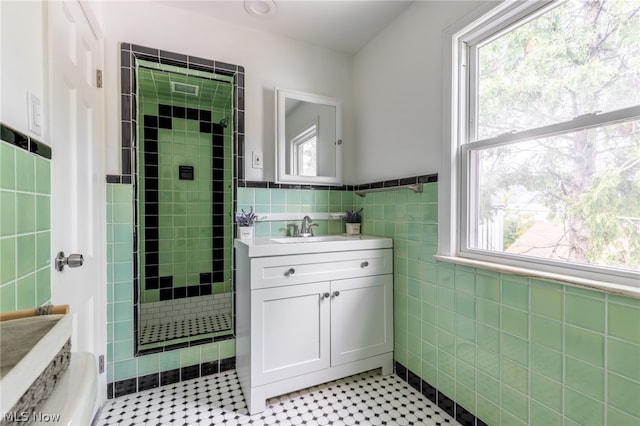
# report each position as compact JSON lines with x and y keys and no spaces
{"x":290,"y":331}
{"x":361,"y":318}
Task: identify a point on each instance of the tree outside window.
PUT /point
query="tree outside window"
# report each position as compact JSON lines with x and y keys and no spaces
{"x":552,"y":149}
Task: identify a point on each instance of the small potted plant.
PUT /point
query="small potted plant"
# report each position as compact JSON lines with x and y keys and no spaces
{"x":353,"y":219}
{"x":245,"y":221}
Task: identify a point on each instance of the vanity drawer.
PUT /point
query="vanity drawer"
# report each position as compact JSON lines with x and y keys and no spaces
{"x":307,"y":268}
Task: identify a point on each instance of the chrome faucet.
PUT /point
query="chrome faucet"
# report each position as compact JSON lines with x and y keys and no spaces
{"x":295,"y":230}
{"x":306,"y":228}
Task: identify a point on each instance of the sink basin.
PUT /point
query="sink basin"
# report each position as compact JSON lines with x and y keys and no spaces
{"x":318,"y":239}
{"x":282,"y":246}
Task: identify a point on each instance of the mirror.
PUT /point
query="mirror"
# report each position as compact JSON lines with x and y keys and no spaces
{"x":308,"y":138}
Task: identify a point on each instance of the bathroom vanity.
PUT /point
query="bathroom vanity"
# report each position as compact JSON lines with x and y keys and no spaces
{"x":310,"y":311}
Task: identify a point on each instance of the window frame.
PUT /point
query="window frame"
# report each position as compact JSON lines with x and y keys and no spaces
{"x":308,"y":134}
{"x":461,"y":42}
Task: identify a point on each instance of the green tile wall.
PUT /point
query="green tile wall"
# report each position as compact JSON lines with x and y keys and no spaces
{"x":121,"y":362}
{"x":25,"y":230}
{"x":301,"y":201}
{"x":512,"y":350}
{"x":185,"y":206}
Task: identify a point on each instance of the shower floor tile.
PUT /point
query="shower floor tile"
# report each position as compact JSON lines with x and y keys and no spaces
{"x":363,"y":399}
{"x":180,"y":328}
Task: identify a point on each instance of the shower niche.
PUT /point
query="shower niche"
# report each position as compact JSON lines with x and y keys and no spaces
{"x":186,"y":126}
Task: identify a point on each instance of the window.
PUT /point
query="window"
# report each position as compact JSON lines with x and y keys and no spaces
{"x":305,"y":152}
{"x":548,"y":130}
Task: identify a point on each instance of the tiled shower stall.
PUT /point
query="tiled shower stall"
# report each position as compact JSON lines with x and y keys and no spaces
{"x":185,"y":202}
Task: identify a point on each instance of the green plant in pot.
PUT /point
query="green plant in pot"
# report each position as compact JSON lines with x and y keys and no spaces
{"x":353,"y":219}
{"x":245,"y":222}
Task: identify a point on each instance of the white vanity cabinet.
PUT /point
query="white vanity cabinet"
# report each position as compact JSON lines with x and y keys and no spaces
{"x":305,"y":319}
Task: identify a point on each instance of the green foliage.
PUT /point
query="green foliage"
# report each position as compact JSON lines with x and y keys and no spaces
{"x":581,"y":57}
{"x":611,"y":217}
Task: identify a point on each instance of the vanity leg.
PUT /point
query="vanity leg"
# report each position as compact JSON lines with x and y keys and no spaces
{"x":256,"y":404}
{"x":387,"y":365}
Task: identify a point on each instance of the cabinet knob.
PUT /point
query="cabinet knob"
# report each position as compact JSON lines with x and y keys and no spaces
{"x":290,"y":271}
{"x":364,"y":264}
{"x":336,"y":293}
{"x":324,"y":295}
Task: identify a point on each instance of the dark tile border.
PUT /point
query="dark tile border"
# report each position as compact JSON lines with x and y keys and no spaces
{"x":150,"y":381}
{"x":149,"y":147}
{"x":274,"y":185}
{"x":412,"y":180}
{"x":432,"y":178}
{"x":25,"y":142}
{"x":448,"y":405}
{"x":118,"y":179}
{"x":129,"y":53}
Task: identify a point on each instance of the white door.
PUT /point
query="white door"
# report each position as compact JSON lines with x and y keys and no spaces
{"x":289,"y":331}
{"x":361,"y":318}
{"x":77,"y":193}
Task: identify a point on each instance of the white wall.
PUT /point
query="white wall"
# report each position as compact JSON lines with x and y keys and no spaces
{"x":22,"y":62}
{"x":391,"y":90}
{"x":398,"y":93}
{"x":269,"y":62}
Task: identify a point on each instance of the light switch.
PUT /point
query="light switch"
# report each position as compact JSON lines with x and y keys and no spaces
{"x":257,"y":160}
{"x":34,"y":107}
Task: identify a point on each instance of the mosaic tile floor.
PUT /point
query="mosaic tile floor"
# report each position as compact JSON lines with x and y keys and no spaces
{"x":363,"y":399}
{"x":184,"y":328}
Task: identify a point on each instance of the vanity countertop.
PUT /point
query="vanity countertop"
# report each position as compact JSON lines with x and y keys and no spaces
{"x":279,"y":246}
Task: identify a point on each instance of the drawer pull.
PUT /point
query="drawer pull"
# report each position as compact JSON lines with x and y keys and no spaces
{"x":289,"y":272}
{"x":336,"y":293}
{"x":364,"y":264}
{"x":324,"y":295}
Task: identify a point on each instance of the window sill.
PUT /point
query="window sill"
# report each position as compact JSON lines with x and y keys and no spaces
{"x":622,"y":290}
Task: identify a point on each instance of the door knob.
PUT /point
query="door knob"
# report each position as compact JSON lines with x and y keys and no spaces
{"x":74,"y":260}
{"x":336,"y":293}
{"x":289,"y":272}
{"x":324,"y":295}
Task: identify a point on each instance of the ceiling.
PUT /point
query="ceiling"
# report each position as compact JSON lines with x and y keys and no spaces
{"x":341,"y":25}
{"x":156,"y":85}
